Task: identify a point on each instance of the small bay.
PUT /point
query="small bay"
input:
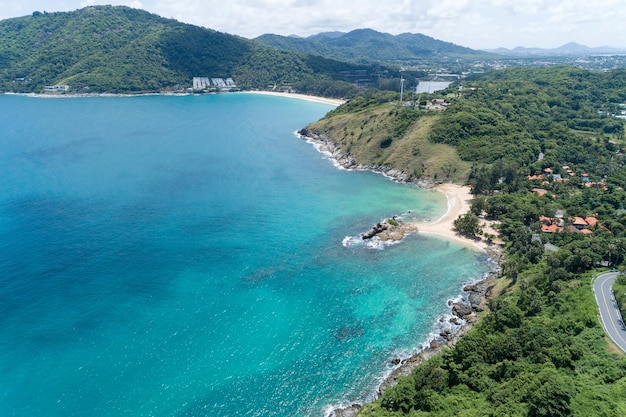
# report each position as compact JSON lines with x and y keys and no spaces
{"x":183,"y":256}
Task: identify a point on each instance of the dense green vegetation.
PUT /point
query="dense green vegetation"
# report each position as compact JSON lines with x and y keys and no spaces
{"x":546,"y":158}
{"x":120,"y":50}
{"x":521,"y":112}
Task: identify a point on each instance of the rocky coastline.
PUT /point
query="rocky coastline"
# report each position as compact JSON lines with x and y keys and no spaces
{"x":464,"y":313}
{"x":327,"y":146}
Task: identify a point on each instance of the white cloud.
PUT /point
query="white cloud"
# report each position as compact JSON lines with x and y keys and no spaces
{"x":132,"y":3}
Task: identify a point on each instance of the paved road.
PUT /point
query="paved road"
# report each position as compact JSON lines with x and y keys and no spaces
{"x":609,"y":313}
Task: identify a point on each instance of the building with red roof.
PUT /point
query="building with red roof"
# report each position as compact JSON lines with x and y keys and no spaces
{"x":553,"y":228}
{"x":579,"y":223}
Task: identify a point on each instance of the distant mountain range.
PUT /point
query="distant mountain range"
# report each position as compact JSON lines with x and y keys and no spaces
{"x":367,"y":45}
{"x":569,"y":49}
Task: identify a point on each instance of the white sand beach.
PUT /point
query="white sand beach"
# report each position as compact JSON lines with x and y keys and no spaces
{"x":325,"y":100}
{"x":459,"y":197}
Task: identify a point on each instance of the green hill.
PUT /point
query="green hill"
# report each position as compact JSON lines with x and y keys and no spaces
{"x":367,"y":45}
{"x":120,"y":49}
{"x":381,"y":134}
{"x":513,"y":115}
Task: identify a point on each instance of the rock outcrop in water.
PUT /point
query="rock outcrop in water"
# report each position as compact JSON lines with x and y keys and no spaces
{"x":389,"y":229}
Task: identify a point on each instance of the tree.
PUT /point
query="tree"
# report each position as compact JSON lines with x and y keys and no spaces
{"x":402,"y":397}
{"x":468,"y":224}
{"x":479,"y":204}
{"x":552,"y":398}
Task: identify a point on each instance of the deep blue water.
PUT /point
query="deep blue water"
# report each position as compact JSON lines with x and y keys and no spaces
{"x":182,"y":256}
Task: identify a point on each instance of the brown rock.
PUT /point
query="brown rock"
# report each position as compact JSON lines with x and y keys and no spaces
{"x":461,"y":310}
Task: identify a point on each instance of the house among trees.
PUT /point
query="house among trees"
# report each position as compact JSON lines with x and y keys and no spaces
{"x":585,"y":225}
{"x":579,"y":223}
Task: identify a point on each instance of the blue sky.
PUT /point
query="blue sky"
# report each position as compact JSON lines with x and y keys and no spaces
{"x":478,"y":24}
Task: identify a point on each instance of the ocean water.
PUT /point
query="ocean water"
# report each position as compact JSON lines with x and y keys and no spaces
{"x":184,"y":256}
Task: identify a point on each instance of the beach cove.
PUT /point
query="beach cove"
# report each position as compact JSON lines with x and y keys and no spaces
{"x":152,"y":265}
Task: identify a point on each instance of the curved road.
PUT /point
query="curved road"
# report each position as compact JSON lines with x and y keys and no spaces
{"x":609,"y":313}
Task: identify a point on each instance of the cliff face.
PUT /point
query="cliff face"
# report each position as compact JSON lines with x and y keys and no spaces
{"x":391,"y":139}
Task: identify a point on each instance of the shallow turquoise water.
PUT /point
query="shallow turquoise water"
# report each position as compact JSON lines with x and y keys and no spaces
{"x":182,"y":256}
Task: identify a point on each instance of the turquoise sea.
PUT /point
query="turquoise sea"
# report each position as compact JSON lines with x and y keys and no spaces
{"x":184,"y":256}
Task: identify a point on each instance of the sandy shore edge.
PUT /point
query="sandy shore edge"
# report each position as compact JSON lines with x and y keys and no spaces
{"x":459,"y":201}
{"x":316,"y":99}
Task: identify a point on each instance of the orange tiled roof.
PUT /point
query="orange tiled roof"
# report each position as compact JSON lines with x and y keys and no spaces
{"x":549,"y":229}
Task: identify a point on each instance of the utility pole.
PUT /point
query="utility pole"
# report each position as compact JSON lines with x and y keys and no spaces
{"x":401,"y":88}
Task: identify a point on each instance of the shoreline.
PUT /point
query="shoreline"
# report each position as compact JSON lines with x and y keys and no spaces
{"x":458,"y":196}
{"x":463,"y":313}
{"x":316,"y":99}
{"x":459,"y":201}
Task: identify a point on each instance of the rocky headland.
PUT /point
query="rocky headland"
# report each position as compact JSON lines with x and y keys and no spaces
{"x":327,"y":146}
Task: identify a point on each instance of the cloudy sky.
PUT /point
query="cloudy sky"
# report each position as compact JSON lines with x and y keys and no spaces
{"x":479,"y":24}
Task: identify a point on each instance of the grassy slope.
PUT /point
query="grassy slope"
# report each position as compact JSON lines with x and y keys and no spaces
{"x":371,"y":137}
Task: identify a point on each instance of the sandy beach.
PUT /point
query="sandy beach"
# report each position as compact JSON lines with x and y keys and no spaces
{"x":325,"y":100}
{"x":459,"y":198}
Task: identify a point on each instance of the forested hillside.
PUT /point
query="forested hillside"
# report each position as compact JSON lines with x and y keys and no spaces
{"x":367,"y":45}
{"x":120,"y":49}
{"x":545,"y":149}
